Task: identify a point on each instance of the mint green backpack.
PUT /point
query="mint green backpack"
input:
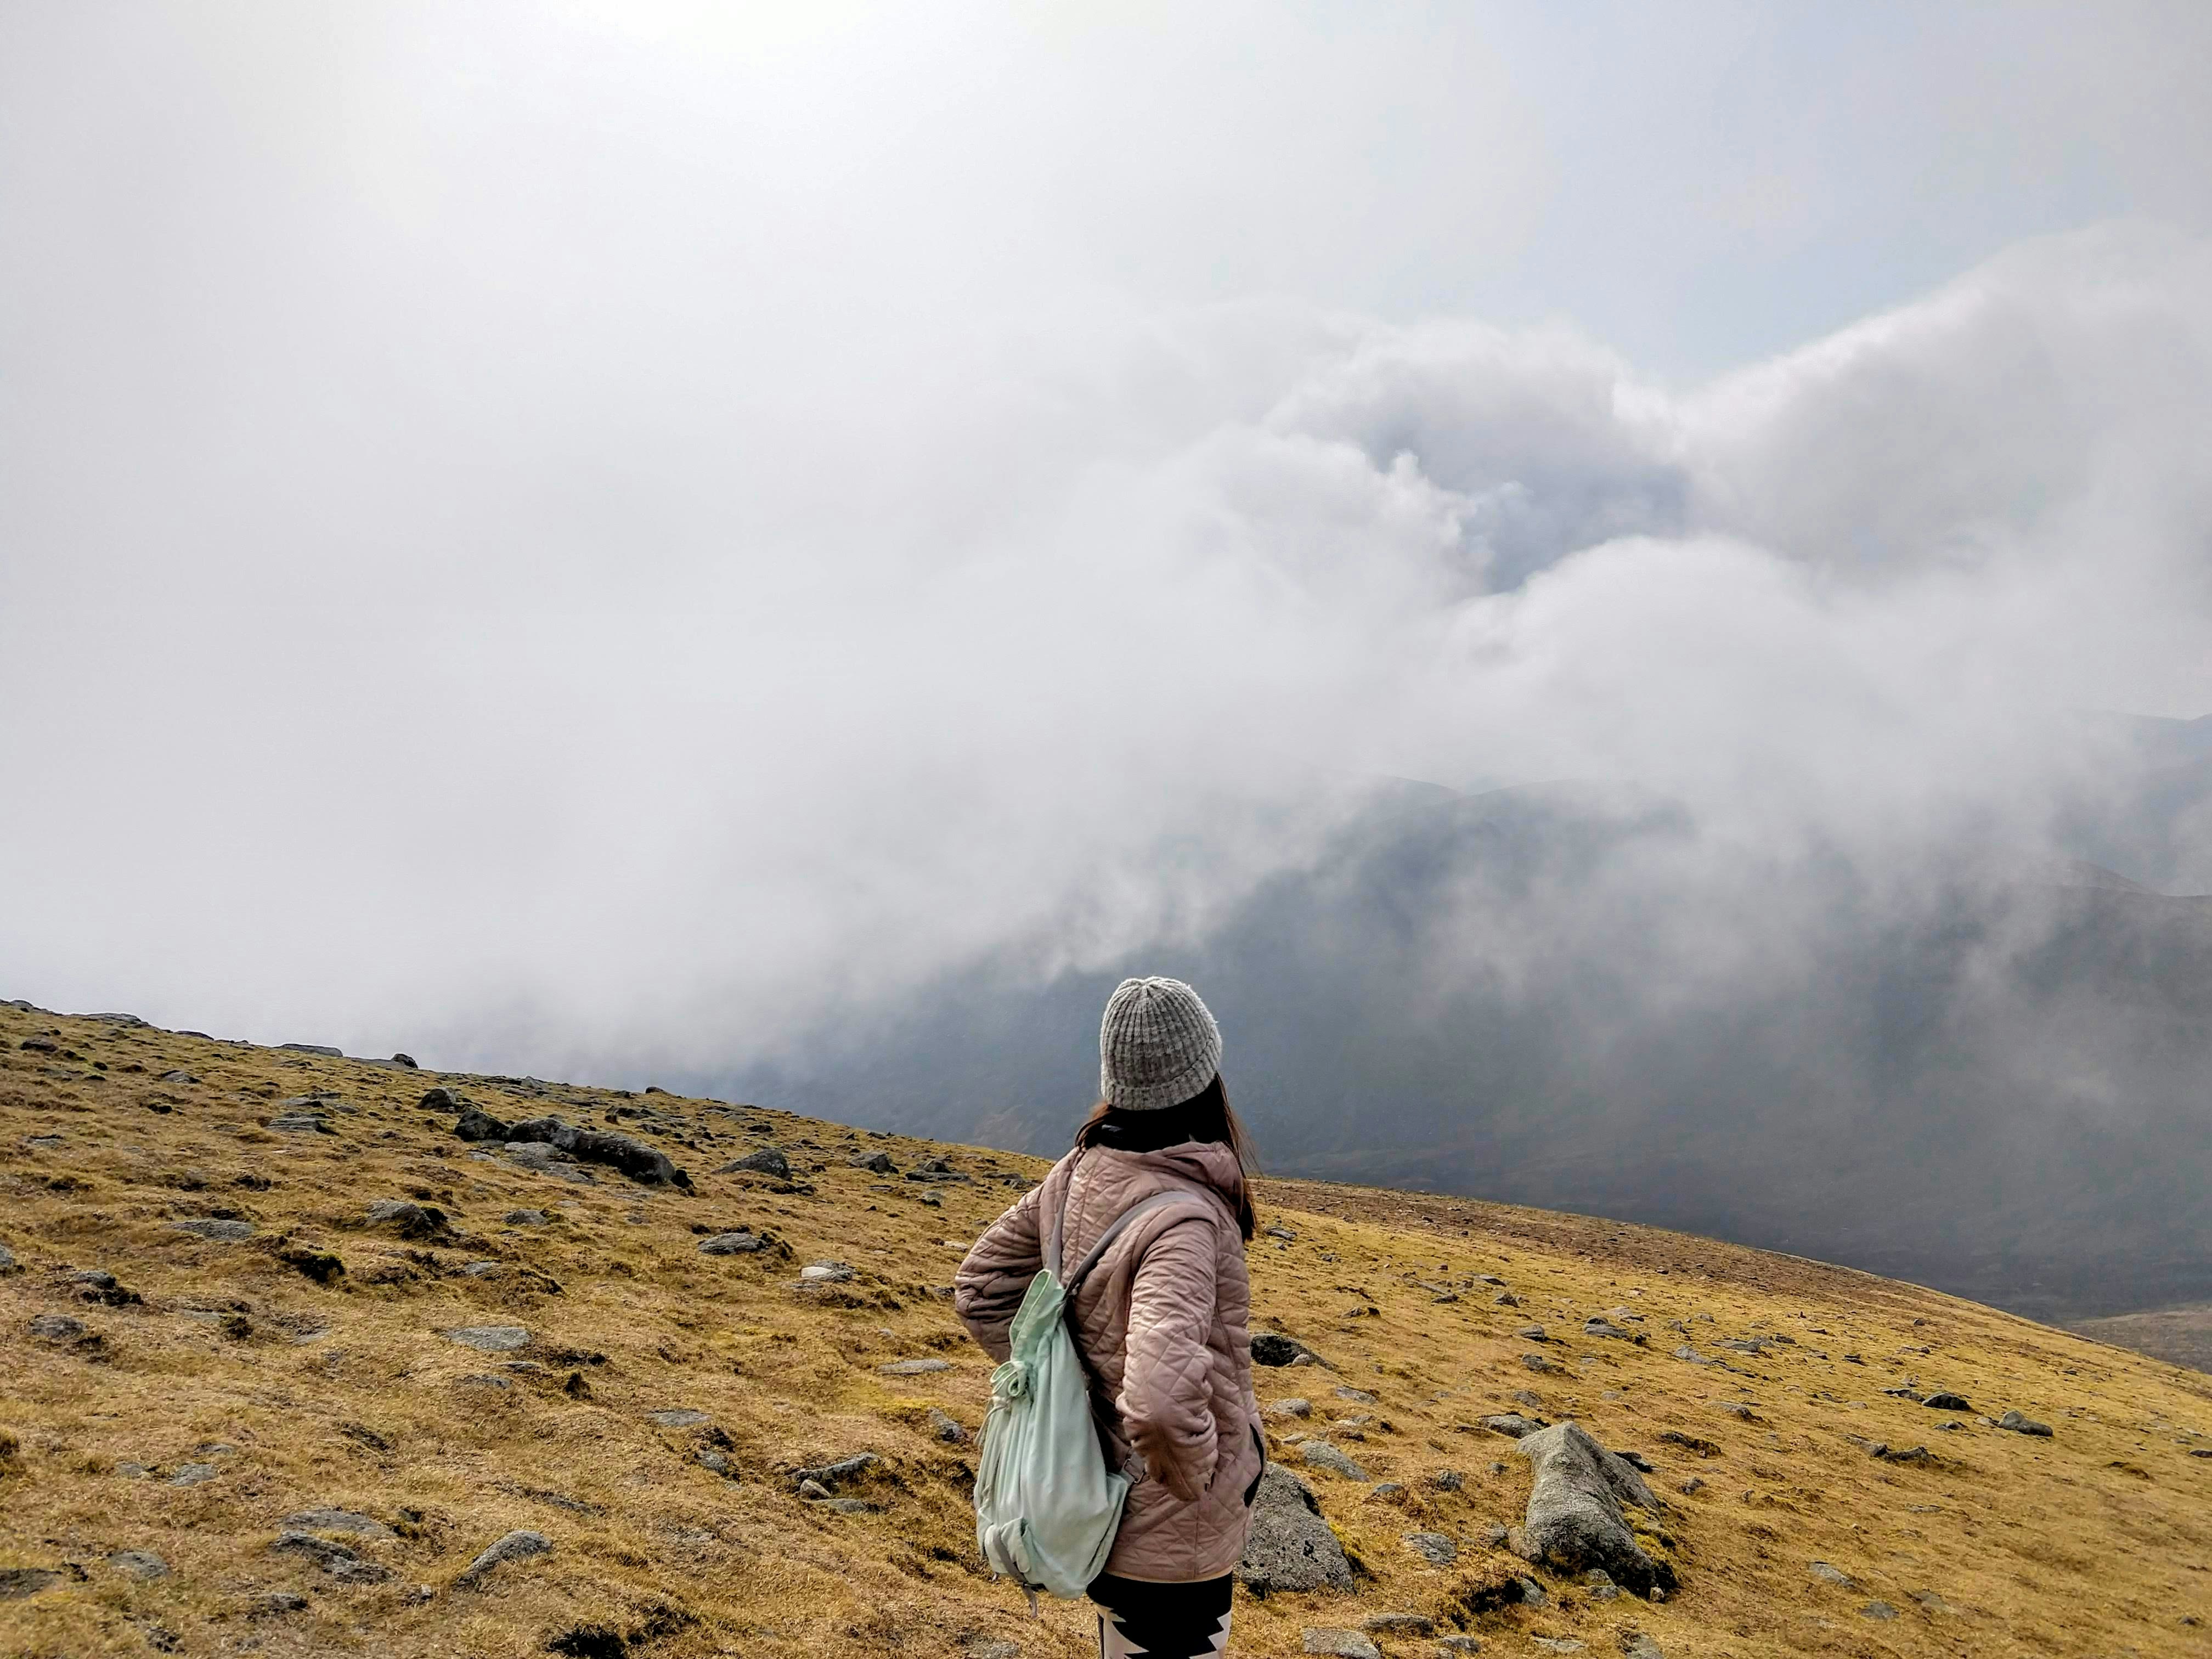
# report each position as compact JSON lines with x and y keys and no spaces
{"x":1045,"y":1504}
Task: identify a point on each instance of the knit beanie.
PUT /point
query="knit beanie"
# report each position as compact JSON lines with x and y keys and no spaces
{"x":1158,"y":1045}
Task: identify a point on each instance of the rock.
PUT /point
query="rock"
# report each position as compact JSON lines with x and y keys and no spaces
{"x":880,"y":1162}
{"x":1289,"y":1547}
{"x":1447,"y":1479}
{"x":1273,"y":1348}
{"x":738,"y":1244}
{"x":480,"y":1269}
{"x":525,"y":1218}
{"x":1459,"y":1644}
{"x":1532,"y":1334}
{"x":813,"y":1491}
{"x":714,"y":1459}
{"x":1511,"y":1425}
{"x":768,"y":1161}
{"x":17,"y":1583}
{"x":475,"y":1125}
{"x":1606,"y":1327}
{"x":1389,"y":1491}
{"x":313,"y":1048}
{"x":519,"y":1545}
{"x":1432,"y":1547}
{"x":277,"y":1603}
{"x":999,"y":1649}
{"x":945,"y":1428}
{"x":1532,"y":1593}
{"x":1829,"y":1575}
{"x":1342,"y":1643}
{"x":1636,"y":1461}
{"x":1601,"y":1587}
{"x":1945,"y":1402}
{"x":130,"y":1471}
{"x":1877,"y":1610}
{"x":1290,"y":1407}
{"x":346,"y":1520}
{"x":219,"y":1232}
{"x":141,"y":1565}
{"x":1505,"y":1299}
{"x":1536,"y":1362}
{"x":177,"y":1075}
{"x":680,"y":1417}
{"x":407,"y":1060}
{"x":1320,"y":1454}
{"x":411,"y":1220}
{"x":1358,"y":1396}
{"x":1574,"y":1520}
{"x":1690,"y":1356}
{"x":57,"y":1328}
{"x":1932,"y":1602}
{"x":1908,"y":1454}
{"x":1398,"y":1624}
{"x":830,"y":1476}
{"x":1635,"y":1644}
{"x":341,"y":1561}
{"x":915,"y":1367}
{"x":2019,"y":1425}
{"x":192,"y":1474}
{"x":640,"y":1163}
{"x":1556,"y":1643}
{"x":489,"y":1339}
{"x":1689,"y":1442}
{"x":1695,"y":1484}
{"x":825,"y":1272}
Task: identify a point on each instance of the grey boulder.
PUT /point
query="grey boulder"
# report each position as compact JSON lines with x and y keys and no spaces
{"x":516,"y":1547}
{"x":2019,"y":1425}
{"x":1575,"y":1520}
{"x":1289,"y":1547}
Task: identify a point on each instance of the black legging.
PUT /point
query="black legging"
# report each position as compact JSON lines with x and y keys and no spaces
{"x":1162,"y":1621}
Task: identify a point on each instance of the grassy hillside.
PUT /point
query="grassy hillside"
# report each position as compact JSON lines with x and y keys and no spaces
{"x":645,"y":1407}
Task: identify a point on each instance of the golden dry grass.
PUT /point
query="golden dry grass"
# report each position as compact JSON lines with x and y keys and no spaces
{"x":2096,"y":1541}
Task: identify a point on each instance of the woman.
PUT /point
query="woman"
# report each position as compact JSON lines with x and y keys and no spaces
{"x":1162,"y":1321}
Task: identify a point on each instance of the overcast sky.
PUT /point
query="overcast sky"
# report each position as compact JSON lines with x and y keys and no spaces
{"x":560,"y":535}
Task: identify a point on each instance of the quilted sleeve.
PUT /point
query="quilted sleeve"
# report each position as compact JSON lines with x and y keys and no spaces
{"x":996,"y":1275}
{"x":1166,"y":1405}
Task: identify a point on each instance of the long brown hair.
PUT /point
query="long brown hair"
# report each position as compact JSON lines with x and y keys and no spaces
{"x":1206,"y":1115}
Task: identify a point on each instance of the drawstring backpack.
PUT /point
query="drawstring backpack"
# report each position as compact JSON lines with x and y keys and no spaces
{"x":1046,"y":1506}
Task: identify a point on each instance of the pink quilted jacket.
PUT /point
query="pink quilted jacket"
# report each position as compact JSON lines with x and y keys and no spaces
{"x":1164,"y":1320}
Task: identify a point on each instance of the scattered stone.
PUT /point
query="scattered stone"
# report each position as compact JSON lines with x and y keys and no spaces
{"x":1389,"y":1492}
{"x":1636,"y":1461}
{"x":2019,"y":1425}
{"x":813,"y":1491}
{"x":57,"y":1328}
{"x":342,"y":1561}
{"x":320,"y":1266}
{"x":1738,"y":1410}
{"x":489,"y":1339}
{"x":642,"y":1164}
{"x":1556,"y":1643}
{"x":8,"y":1263}
{"x":1289,"y":1547}
{"x":345,"y":1521}
{"x":1290,"y":1407}
{"x":1341,"y":1643}
{"x":1877,"y":1610}
{"x":219,"y":1232}
{"x":519,"y":1545}
{"x":1273,"y":1348}
{"x":1511,"y":1425}
{"x":525,"y":1218}
{"x":736,"y":1244}
{"x":277,"y":1604}
{"x":768,"y":1161}
{"x":1689,"y":1442}
{"x":177,"y":1076}
{"x":825,"y":1272}
{"x":18,"y":1583}
{"x":323,"y":1049}
{"x":484,"y":1379}
{"x":680,"y":1417}
{"x":1432,"y":1547}
{"x":1575,"y":1519}
{"x":1908,"y":1454}
{"x":1830,"y":1575}
{"x":1447,"y":1479}
{"x":142,"y":1564}
{"x":1536,"y":1362}
{"x":1601,"y":1587}
{"x":1532,"y":1334}
{"x":1932,"y":1602}
{"x":1945,"y":1402}
{"x":416,"y":1221}
{"x":474,"y":1125}
{"x":1635,"y":1644}
{"x":303,"y":1114}
{"x":915,"y":1367}
{"x":879,"y":1163}
{"x":947,"y":1428}
{"x":1695,"y":1484}
{"x":1320,"y":1454}
{"x":1459,"y":1644}
{"x":1358,"y":1396}
{"x":1504,"y":1299}
{"x":998,"y":1649}
{"x":830,"y":1476}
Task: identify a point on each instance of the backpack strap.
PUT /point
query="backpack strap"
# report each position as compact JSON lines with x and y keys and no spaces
{"x":1120,"y":1225}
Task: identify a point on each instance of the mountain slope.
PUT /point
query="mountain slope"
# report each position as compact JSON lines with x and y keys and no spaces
{"x":645,"y":1407}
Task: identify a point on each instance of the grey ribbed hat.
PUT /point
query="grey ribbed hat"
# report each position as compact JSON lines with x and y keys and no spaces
{"x":1158,"y":1045}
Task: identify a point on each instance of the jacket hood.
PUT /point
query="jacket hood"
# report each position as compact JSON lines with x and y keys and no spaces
{"x":1204,"y":1162}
